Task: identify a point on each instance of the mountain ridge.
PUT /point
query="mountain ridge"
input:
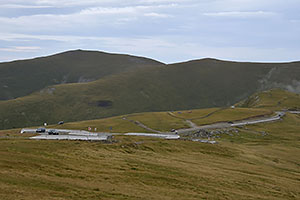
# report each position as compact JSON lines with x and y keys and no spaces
{"x":183,"y":86}
{"x":127,"y":84}
{"x":140,"y":56}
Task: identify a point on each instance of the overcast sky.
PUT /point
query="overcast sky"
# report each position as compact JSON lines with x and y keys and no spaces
{"x":166,"y":30}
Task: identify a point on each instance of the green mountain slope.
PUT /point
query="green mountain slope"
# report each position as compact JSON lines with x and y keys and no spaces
{"x":196,"y":84}
{"x":20,"y":78}
{"x":273,"y":99}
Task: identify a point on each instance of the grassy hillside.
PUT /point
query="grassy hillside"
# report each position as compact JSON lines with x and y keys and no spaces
{"x":273,"y":100}
{"x":163,"y":121}
{"x":160,"y":121}
{"x":244,"y":166}
{"x":196,"y":84}
{"x":231,"y":115}
{"x":20,"y":78}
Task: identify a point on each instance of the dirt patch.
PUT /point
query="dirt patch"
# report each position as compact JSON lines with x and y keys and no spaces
{"x":104,"y":103}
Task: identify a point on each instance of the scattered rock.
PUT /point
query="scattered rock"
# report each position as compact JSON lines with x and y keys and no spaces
{"x":211,"y":133}
{"x":84,"y":80}
{"x":48,"y":91}
{"x":141,"y":142}
{"x":205,"y":141}
{"x":263,"y":133}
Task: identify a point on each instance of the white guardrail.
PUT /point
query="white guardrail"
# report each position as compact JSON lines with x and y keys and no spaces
{"x":165,"y":136}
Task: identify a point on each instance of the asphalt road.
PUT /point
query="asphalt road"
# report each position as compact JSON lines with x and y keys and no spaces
{"x":65,"y":134}
{"x":274,"y":118}
{"x":294,"y":112}
{"x":70,"y":137}
{"x":63,"y":131}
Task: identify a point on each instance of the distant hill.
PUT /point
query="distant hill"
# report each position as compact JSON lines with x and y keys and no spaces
{"x":20,"y":78}
{"x":195,"y":84}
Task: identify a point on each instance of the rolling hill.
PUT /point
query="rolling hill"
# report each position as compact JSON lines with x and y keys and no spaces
{"x":195,"y":84}
{"x":20,"y":78}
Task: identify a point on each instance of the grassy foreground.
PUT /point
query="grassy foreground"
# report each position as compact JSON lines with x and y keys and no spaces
{"x":245,"y":166}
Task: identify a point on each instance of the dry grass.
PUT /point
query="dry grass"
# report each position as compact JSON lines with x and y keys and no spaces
{"x":194,"y":114}
{"x":161,"y":121}
{"x":118,"y":124}
{"x":275,"y":99}
{"x":164,"y":121}
{"x":232,"y":115}
{"x":240,"y":167}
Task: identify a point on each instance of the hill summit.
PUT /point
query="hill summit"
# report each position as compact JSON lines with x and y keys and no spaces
{"x":20,"y":78}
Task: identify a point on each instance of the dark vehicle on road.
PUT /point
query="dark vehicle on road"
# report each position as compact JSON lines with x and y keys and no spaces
{"x":61,"y":122}
{"x":230,"y":122}
{"x":53,"y":132}
{"x":40,"y":130}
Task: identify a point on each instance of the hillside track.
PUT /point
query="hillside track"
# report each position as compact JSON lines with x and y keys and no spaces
{"x":220,"y":125}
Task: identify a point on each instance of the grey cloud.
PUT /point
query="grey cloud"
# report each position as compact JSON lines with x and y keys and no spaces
{"x":239,"y":14}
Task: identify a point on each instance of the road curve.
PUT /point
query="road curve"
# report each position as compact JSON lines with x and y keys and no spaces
{"x":274,"y":118}
{"x":219,"y":125}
